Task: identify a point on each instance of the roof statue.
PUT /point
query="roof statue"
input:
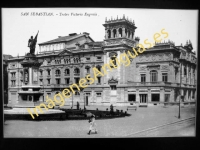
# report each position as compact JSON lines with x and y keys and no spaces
{"x":32,"y":43}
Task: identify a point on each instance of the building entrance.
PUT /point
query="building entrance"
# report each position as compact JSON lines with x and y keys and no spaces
{"x":155,"y":97}
{"x":131,"y":97}
{"x":143,"y":98}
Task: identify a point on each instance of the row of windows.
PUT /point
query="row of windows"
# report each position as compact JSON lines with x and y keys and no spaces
{"x":75,"y":60}
{"x":98,"y":94}
{"x":154,"y":77}
{"x":67,"y":71}
{"x":67,"y":81}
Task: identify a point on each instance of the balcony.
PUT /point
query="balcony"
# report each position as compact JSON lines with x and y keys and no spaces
{"x":57,"y":75}
{"x":151,"y":83}
{"x":76,"y":74}
{"x":13,"y":78}
{"x":67,"y":74}
{"x":13,"y":85}
{"x":48,"y":76}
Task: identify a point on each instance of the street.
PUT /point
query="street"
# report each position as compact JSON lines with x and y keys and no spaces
{"x":141,"y":119}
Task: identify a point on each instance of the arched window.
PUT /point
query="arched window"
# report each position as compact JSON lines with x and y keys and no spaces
{"x":76,"y":70}
{"x":120,"y":32}
{"x":109,"y":33}
{"x":98,"y":67}
{"x":126,"y":32}
{"x":153,"y":76}
{"x":185,"y":71}
{"x":87,"y":69}
{"x":57,"y":72}
{"x":114,"y":33}
{"x":67,"y":71}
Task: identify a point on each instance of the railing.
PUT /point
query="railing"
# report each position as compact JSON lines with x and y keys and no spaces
{"x":57,"y":75}
{"x":67,"y":74}
{"x":76,"y":74}
{"x":48,"y":76}
{"x":150,"y":83}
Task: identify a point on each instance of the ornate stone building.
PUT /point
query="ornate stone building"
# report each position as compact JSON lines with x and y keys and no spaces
{"x":152,"y":78}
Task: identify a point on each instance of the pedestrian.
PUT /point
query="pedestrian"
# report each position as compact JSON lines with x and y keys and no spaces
{"x":92,"y":125}
{"x":77,"y":105}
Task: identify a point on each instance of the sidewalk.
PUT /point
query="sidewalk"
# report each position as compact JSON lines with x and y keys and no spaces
{"x":141,"y":119}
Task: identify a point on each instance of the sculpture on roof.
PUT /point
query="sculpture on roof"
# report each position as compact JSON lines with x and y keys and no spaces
{"x":32,"y":43}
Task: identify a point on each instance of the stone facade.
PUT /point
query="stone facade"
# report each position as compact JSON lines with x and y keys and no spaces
{"x":153,"y":77}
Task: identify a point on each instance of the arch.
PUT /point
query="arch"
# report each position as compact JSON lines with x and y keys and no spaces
{"x":57,"y":71}
{"x":98,"y":67}
{"x":109,"y":34}
{"x":120,"y":32}
{"x":125,"y":32}
{"x":114,"y":33}
{"x":153,"y":76}
{"x":67,"y":71}
{"x":76,"y":70}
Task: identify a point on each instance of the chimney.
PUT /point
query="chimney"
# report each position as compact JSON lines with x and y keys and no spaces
{"x":72,"y":34}
{"x":86,"y":33}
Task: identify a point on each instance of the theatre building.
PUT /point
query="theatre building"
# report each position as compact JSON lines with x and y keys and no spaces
{"x":160,"y":74}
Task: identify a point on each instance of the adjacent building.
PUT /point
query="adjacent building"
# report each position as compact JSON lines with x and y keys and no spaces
{"x":159,"y":75}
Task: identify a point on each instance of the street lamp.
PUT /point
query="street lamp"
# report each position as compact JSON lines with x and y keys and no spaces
{"x":179,"y":112}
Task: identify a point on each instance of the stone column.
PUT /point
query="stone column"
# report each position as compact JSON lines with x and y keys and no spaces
{"x":130,"y":35}
{"x":117,"y":32}
{"x":149,"y":95}
{"x":172,"y":96}
{"x":112,"y":34}
{"x":162,"y":93}
{"x":123,"y":32}
{"x":30,"y":76}
{"x":137,"y":96}
{"x":106,"y":34}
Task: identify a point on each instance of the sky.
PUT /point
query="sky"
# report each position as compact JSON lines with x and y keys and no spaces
{"x":17,"y":28}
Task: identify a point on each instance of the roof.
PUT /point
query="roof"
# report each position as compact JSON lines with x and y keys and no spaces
{"x":6,"y":56}
{"x":65,"y":39}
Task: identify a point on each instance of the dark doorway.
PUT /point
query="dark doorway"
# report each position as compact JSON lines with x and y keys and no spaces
{"x":131,"y":97}
{"x":155,"y":97}
{"x":86,"y":98}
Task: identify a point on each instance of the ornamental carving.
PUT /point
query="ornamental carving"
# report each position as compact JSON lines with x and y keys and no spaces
{"x":154,"y":57}
{"x":143,"y":68}
{"x":141,"y":58}
{"x":167,"y":56}
{"x":165,"y":67}
{"x":147,"y":57}
{"x":160,"y":57}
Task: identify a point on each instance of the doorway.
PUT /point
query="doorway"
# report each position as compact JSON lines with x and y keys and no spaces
{"x":155,"y":97}
{"x":131,"y":97}
{"x":86,"y":99}
{"x":143,"y":98}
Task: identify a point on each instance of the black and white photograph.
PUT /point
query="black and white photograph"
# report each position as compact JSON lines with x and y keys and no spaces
{"x":99,"y":72}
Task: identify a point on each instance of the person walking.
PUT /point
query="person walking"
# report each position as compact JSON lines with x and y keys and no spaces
{"x":92,"y":125}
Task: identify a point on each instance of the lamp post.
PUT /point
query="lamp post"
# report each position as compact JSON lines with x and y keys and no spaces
{"x":179,"y":112}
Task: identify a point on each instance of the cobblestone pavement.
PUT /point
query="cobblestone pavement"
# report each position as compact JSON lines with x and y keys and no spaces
{"x":141,"y":119}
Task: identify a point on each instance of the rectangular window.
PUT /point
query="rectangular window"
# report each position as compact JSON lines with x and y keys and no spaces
{"x":12,"y":74}
{"x":98,"y":94}
{"x":99,"y":80}
{"x":49,"y":72}
{"x":77,"y":93}
{"x":164,"y":77}
{"x":113,"y":87}
{"x":57,"y":81}
{"x":48,"y":81}
{"x":87,"y":70}
{"x":98,"y":57}
{"x":41,"y":82}
{"x":87,"y":58}
{"x":76,"y":80}
{"x":66,"y":80}
{"x":143,"y":77}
